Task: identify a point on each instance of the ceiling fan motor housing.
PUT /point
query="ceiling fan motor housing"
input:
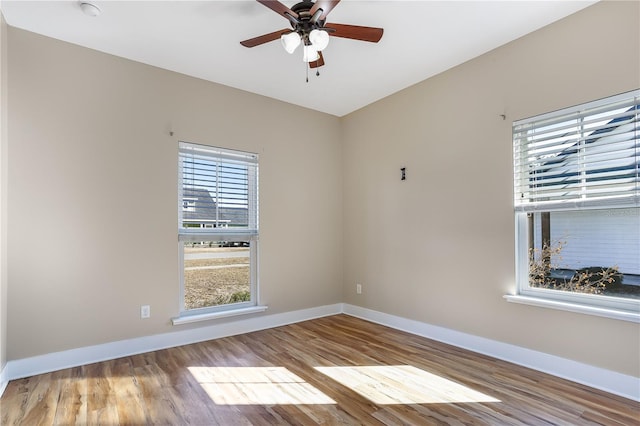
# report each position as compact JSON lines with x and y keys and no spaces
{"x":305,"y":23}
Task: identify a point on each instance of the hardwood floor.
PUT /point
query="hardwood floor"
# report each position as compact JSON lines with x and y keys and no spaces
{"x":333,"y":370}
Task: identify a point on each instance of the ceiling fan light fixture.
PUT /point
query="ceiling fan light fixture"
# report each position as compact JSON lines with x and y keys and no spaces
{"x":290,"y":41}
{"x":310,"y":53}
{"x":307,"y":19}
{"x":319,"y":39}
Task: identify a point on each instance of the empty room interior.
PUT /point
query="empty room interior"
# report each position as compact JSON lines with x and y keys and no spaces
{"x":433,"y":219}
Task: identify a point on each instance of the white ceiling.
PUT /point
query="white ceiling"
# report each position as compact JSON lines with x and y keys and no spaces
{"x":201,"y":39}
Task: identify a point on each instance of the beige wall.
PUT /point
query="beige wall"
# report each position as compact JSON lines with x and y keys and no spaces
{"x":92,"y":191}
{"x":93,"y":194}
{"x":3,"y":192}
{"x":439,"y":247}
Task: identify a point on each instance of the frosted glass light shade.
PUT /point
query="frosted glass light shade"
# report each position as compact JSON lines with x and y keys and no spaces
{"x":319,"y":39}
{"x":310,"y":54}
{"x":290,"y":41}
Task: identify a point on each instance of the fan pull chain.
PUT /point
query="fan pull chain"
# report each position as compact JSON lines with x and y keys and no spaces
{"x":306,"y":67}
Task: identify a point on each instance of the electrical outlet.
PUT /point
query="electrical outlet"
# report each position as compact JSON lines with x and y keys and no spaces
{"x":145,"y":311}
{"x":359,"y":288}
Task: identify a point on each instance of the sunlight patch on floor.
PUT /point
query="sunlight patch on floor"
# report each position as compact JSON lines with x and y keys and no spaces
{"x":402,"y":384}
{"x":256,"y":386}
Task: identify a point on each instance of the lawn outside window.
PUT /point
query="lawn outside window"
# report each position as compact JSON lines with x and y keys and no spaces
{"x":577,"y":208}
{"x":217,"y":231}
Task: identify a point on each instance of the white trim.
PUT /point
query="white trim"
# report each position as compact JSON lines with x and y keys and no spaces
{"x":574,"y":307}
{"x":188,"y":319}
{"x":599,"y":378}
{"x":40,"y":364}
{"x":4,"y":380}
{"x":595,"y":377}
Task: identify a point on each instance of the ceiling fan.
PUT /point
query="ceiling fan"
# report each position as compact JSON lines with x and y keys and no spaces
{"x":309,"y":28}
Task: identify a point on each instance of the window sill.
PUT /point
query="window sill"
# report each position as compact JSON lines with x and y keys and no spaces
{"x":188,"y":319}
{"x":575,"y":307}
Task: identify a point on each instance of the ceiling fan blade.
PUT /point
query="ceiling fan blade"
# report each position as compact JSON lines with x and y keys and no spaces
{"x":280,"y":9}
{"x":355,"y":32}
{"x":318,"y":63}
{"x":265,"y":38}
{"x":325,"y":5}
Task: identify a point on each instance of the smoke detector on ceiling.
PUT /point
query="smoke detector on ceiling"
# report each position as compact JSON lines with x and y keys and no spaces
{"x":90,"y":9}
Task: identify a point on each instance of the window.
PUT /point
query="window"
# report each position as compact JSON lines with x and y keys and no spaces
{"x":577,"y":207}
{"x":217,"y":228}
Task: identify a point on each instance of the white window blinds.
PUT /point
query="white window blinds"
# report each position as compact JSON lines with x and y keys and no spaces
{"x":584,"y":156}
{"x":218,"y":193}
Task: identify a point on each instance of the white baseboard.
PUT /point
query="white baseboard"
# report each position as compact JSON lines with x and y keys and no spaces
{"x":599,"y":378}
{"x":27,"y":367}
{"x":595,"y":377}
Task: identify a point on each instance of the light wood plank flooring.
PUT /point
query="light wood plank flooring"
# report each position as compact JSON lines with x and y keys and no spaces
{"x":333,"y":370}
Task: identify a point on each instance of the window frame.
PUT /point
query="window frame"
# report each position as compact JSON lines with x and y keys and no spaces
{"x":249,"y":233}
{"x":621,"y":308}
